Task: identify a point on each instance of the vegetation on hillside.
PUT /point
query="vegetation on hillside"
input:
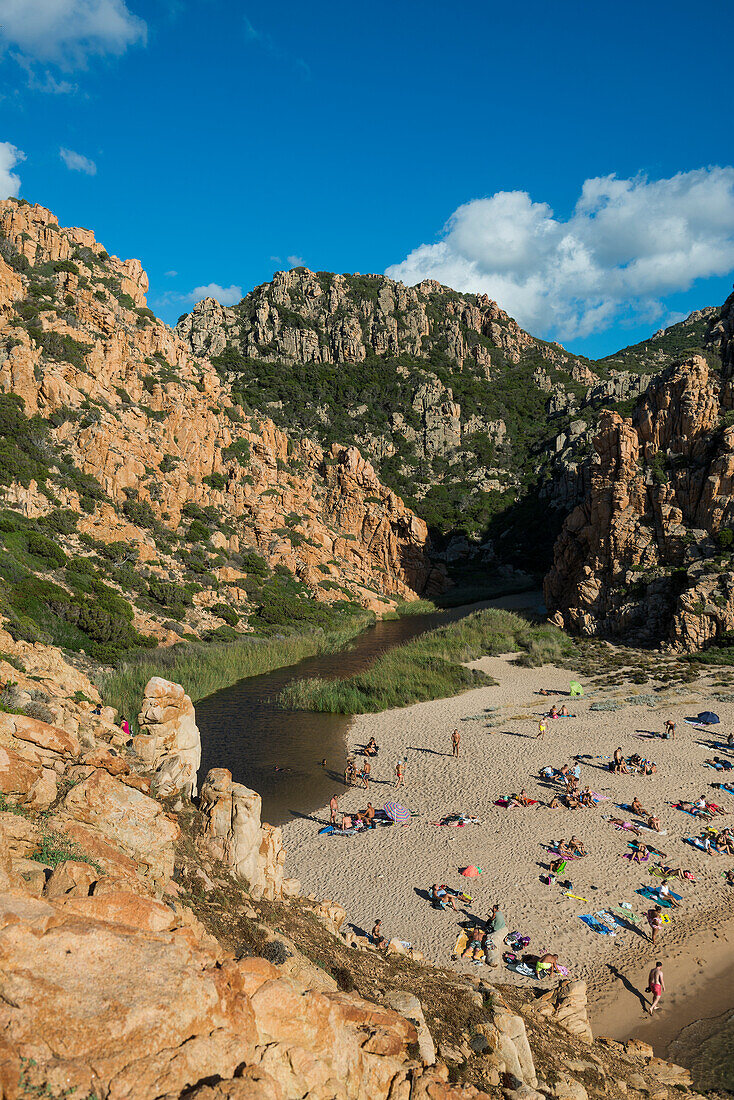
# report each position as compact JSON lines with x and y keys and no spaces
{"x":432,"y":666}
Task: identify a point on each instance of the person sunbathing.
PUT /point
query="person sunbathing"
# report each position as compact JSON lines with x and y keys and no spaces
{"x":650,"y":767}
{"x":346,"y":822}
{"x":572,"y":802}
{"x":372,"y":747}
{"x":547,"y":964}
{"x":475,"y":947}
{"x":554,"y":804}
{"x":714,"y":808}
{"x":520,"y":799}
{"x":696,"y":809}
{"x":440,"y":897}
{"x":640,"y":854}
{"x":553,"y":712}
{"x":564,"y":849}
{"x":725,"y":842}
{"x":367,"y":816}
{"x":663,"y":892}
{"x":636,"y":808}
{"x":653,"y":823}
{"x":628,"y":825}
{"x":675,"y":872}
{"x":377,"y":937}
{"x":586,"y":798}
{"x":729,"y":878}
{"x":576,"y":847}
{"x":564,"y":712}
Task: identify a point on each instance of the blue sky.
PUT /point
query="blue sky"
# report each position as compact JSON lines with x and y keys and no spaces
{"x":220,"y":141}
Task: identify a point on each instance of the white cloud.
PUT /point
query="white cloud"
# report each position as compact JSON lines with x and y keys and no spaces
{"x":626,"y":246}
{"x":75,"y":162}
{"x":10,"y":157}
{"x":295,"y":261}
{"x":69,"y":32}
{"x":171,"y":274}
{"x":225,"y":295}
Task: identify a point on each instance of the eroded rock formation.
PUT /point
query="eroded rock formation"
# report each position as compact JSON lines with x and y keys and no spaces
{"x":169,"y":740}
{"x":646,"y":556}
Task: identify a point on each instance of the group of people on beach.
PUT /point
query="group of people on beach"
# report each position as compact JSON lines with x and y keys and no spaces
{"x":354,"y":775}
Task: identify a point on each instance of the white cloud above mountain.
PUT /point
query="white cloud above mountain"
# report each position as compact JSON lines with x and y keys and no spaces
{"x":10,"y":158}
{"x":68,"y":33}
{"x":628,"y":244}
{"x":225,"y":295}
{"x":76,"y":162}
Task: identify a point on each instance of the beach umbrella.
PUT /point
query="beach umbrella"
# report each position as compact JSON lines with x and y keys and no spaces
{"x":397,"y":813}
{"x":575,"y":688}
{"x":708,"y":718}
{"x":471,"y":871}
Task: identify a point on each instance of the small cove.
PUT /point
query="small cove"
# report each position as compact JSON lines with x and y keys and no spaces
{"x":243,"y":728}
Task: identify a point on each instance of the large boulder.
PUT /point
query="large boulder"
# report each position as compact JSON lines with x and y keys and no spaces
{"x":169,"y":740}
{"x":233,"y":834}
{"x":126,"y":818}
{"x":104,"y":997}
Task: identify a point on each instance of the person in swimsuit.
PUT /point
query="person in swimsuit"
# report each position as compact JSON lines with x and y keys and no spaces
{"x":542,"y":727}
{"x":440,"y":897}
{"x":334,"y":807}
{"x":372,"y":749}
{"x":665,"y":895}
{"x":576,"y":847}
{"x":377,"y":937}
{"x":475,"y":947}
{"x":367,"y":816}
{"x":346,"y":822}
{"x":554,"y":804}
{"x":653,"y":823}
{"x":553,"y":712}
{"x":547,"y":963}
{"x":655,"y":920}
{"x":636,"y":808}
{"x":640,"y":854}
{"x":669,"y":730}
{"x":656,"y":986}
{"x":618,"y":764}
{"x":399,"y":774}
{"x":455,"y":739}
{"x":564,"y":712}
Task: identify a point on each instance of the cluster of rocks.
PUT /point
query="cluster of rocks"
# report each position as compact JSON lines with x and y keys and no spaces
{"x":645,"y":557}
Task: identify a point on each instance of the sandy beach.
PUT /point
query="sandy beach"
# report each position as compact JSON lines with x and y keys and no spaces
{"x":387,"y":872}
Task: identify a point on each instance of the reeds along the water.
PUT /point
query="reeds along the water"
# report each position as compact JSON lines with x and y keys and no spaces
{"x":432,"y":665}
{"x":205,"y":668}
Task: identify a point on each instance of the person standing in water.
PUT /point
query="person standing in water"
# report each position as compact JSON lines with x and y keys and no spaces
{"x":455,"y":739}
{"x":656,"y":986}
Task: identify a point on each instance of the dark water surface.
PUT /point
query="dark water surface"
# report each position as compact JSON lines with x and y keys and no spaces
{"x":243,"y":728}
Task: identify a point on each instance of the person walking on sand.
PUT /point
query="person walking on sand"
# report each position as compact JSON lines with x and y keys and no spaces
{"x":542,"y":727}
{"x":656,"y":986}
{"x":455,"y":739}
{"x":655,"y":920}
{"x":366,"y":769}
{"x":334,"y":807}
{"x":399,"y":774}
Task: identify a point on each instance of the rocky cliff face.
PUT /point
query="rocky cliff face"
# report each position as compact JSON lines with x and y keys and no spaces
{"x":482,"y":428}
{"x":139,"y":462}
{"x":646,"y":557}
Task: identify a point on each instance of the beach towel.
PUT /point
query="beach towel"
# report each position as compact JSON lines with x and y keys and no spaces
{"x":660,"y":832}
{"x":627,"y":914}
{"x":462,"y":942}
{"x":631,"y":856}
{"x":471,"y":871}
{"x":522,"y":968}
{"x":651,"y":895}
{"x":596,"y":926}
{"x":694,"y":840}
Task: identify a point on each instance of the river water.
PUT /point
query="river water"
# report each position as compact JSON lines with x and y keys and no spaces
{"x":244,"y":729}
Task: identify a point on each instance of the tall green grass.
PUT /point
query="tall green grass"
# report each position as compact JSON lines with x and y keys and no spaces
{"x":432,"y":665}
{"x":205,"y":668}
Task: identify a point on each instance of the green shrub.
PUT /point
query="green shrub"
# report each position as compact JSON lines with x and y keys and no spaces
{"x":198,"y":531}
{"x":139,"y":512}
{"x":239,"y":450}
{"x":46,"y":549}
{"x":229,"y":615}
{"x":215,"y":480}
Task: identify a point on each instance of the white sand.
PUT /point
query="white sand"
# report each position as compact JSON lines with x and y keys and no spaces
{"x":377,"y":873}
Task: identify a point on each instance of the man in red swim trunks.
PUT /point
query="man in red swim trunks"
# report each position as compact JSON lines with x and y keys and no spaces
{"x":655,"y":985}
